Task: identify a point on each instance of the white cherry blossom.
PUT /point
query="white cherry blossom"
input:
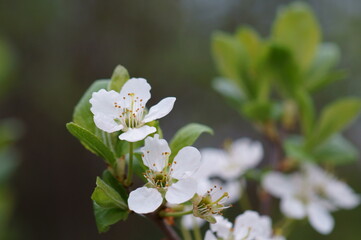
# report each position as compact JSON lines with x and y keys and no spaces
{"x":170,"y":181}
{"x":248,"y":226}
{"x":311,"y":193}
{"x":240,"y":156}
{"x":126,"y":110}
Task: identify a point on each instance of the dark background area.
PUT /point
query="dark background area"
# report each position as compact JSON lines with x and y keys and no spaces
{"x":62,"y":46}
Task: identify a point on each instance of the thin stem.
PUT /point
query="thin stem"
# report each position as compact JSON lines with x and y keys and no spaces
{"x":196,"y":230}
{"x":130,"y":166}
{"x":174,"y":214}
{"x":185,"y":233}
{"x":244,"y":201}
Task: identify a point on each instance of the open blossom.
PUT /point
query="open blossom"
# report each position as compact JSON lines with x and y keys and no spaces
{"x":126,"y":110}
{"x":248,"y":226}
{"x":172,"y":181}
{"x":311,"y":193}
{"x":240,"y":156}
{"x":210,"y":204}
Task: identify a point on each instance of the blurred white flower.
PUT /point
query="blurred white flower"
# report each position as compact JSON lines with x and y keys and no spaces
{"x":248,"y":226}
{"x":126,"y":111}
{"x":171,"y":181}
{"x":311,"y":193}
{"x":240,"y":156}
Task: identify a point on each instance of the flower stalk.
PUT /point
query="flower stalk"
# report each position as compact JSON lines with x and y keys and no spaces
{"x":128,"y":181}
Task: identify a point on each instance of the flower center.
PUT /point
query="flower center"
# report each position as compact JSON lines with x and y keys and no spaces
{"x":131,"y":111}
{"x":158,"y":179}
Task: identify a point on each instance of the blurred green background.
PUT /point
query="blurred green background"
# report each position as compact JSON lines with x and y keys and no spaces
{"x":62,"y":46}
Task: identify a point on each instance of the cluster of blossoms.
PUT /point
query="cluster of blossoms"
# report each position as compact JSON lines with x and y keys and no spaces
{"x":205,"y":182}
{"x":311,"y":193}
{"x":248,"y":226}
{"x":224,"y":168}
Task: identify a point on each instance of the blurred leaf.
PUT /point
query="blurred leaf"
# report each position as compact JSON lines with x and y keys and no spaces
{"x":251,"y":42}
{"x":82,"y":115}
{"x":91,"y":142}
{"x":337,"y":150}
{"x":7,"y":65}
{"x":10,"y":131}
{"x":119,"y":77}
{"x":335,"y":117}
{"x":105,"y":217}
{"x":320,"y":74}
{"x":294,"y":149}
{"x":306,"y":111}
{"x":186,"y":136}
{"x":262,"y":111}
{"x":282,"y":67}
{"x":228,"y":54}
{"x":8,"y":163}
{"x":229,"y":91}
{"x":105,"y":196}
{"x":296,"y":28}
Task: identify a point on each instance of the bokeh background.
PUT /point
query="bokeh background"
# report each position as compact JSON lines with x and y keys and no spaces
{"x":61,"y":46}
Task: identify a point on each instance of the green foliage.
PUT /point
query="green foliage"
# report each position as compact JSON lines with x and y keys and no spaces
{"x":297,"y":29}
{"x":7,"y":65}
{"x":82,"y":115}
{"x":119,"y":77}
{"x":272,"y":81}
{"x":105,"y":196}
{"x":109,"y":205}
{"x":91,"y":142}
{"x":105,"y":217}
{"x":186,"y":136}
{"x":334,"y":118}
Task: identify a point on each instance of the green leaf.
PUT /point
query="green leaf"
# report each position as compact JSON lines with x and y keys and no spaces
{"x":91,"y":142}
{"x":119,"y":77}
{"x":296,"y":28}
{"x":294,"y":149}
{"x":186,"y":136}
{"x":105,"y":217}
{"x":228,"y":54}
{"x":320,"y":74}
{"x":282,"y":68}
{"x":229,"y":91}
{"x":109,"y":179}
{"x":252,"y":44}
{"x":82,"y":115}
{"x":337,"y":151}
{"x":306,"y":111}
{"x":334,"y":118}
{"x":105,"y":196}
{"x":262,"y":111}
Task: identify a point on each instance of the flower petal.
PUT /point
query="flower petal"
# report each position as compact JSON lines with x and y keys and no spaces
{"x":181,"y":191}
{"x":320,"y":218}
{"x":186,"y":163}
{"x":144,"y":200}
{"x":222,"y":227}
{"x":105,"y":111}
{"x":342,"y":195}
{"x":210,"y":236}
{"x":293,"y":208}
{"x":136,"y":88}
{"x":277,"y":184}
{"x":137,"y":134}
{"x":155,"y":153}
{"x":189,"y":221}
{"x":160,"y":110}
